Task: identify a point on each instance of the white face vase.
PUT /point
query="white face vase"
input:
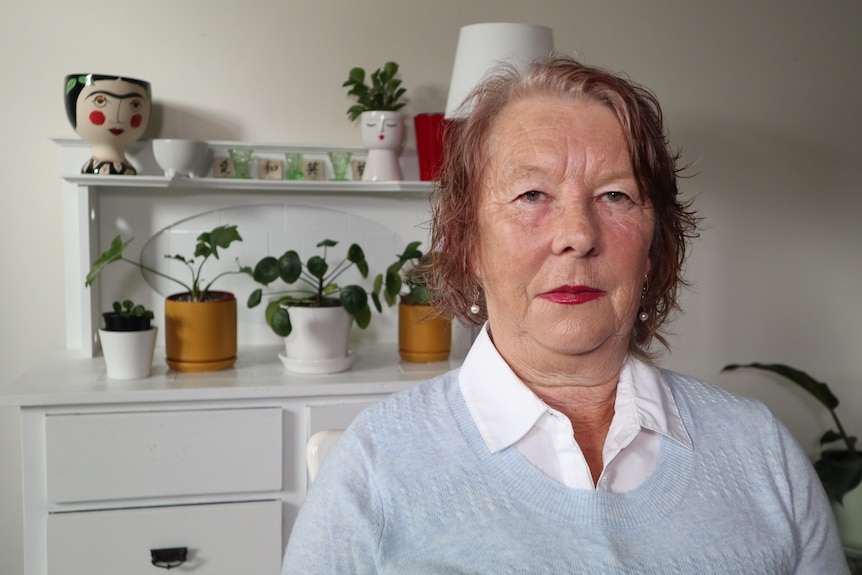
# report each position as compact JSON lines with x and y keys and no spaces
{"x":109,"y":113}
{"x":382,"y":130}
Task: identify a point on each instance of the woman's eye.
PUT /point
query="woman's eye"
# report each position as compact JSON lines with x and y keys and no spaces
{"x":533,"y":196}
{"x":391,"y":124}
{"x":616,"y":197}
{"x":100,"y":101}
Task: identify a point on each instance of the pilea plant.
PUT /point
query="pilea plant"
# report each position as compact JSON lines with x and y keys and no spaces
{"x":384,"y":94}
{"x":127,"y":316}
{"x":318,"y":287}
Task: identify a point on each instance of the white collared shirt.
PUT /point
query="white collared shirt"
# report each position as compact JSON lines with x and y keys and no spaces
{"x":508,"y":413}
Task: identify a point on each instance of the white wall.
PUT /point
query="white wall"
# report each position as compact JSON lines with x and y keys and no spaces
{"x":763,"y":97}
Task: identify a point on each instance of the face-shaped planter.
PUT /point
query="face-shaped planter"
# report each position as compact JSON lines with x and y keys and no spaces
{"x":382,"y":134}
{"x":110,"y":113}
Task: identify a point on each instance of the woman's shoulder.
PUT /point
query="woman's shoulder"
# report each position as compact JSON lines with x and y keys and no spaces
{"x":702,"y":393}
{"x":421,"y":405}
{"x":709,"y":407}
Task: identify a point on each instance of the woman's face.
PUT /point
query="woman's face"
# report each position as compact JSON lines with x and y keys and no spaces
{"x":564,"y":231}
{"x":112,"y":112}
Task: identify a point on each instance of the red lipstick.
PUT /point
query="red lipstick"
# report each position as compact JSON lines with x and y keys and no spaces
{"x":116,"y":131}
{"x":572,"y":295}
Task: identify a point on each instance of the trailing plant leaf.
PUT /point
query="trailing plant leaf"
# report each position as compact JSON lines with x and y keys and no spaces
{"x":818,"y":389}
{"x":112,"y":254}
{"x":207,"y":246}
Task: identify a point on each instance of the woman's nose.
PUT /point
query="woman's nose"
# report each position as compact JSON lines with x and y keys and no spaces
{"x":576,"y":229}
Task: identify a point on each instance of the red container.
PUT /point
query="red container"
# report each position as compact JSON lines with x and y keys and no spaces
{"x":429,"y":143}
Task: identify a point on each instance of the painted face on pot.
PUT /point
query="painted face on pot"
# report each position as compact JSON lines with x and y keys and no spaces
{"x":112,"y":113}
{"x":382,"y":130}
{"x":564,"y":232}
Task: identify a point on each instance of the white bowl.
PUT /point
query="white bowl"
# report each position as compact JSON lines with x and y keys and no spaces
{"x":179,"y":157}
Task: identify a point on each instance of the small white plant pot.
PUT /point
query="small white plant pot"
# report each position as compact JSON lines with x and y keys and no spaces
{"x":848,"y":516}
{"x":319,"y":340}
{"x":382,"y":135}
{"x":128,"y":354}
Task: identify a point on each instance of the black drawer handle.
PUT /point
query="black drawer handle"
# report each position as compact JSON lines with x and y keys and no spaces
{"x":169,"y":558}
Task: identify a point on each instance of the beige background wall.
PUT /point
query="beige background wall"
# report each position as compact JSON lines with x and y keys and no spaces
{"x":765,"y":98}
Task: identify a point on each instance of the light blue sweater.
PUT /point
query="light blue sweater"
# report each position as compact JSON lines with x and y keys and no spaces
{"x":412,"y":489}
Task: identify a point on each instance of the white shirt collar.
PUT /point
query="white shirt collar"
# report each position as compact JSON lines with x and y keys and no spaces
{"x":505,"y":409}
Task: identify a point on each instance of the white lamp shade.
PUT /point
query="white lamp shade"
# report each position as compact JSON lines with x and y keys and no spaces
{"x":481,"y":47}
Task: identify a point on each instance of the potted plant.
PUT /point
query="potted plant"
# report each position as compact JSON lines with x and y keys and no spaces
{"x":315,"y":317}
{"x":200,"y":323}
{"x":377,"y":106}
{"x":839,"y":468}
{"x":128,"y":341}
{"x":424,"y":331}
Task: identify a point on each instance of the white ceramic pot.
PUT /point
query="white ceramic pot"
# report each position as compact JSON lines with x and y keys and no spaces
{"x":848,"y":516}
{"x":128,"y":354}
{"x":382,"y":135}
{"x":318,"y":341}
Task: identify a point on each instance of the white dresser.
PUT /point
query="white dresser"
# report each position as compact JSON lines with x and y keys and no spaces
{"x":212,"y":465}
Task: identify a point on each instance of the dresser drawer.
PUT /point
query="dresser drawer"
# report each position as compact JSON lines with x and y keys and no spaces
{"x":224,"y":539}
{"x":98,"y":457}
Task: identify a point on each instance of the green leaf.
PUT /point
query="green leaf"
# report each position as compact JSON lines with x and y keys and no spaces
{"x":375,"y":298}
{"x":355,"y":111}
{"x":363,"y":317}
{"x":317,"y":266}
{"x":830,"y":436}
{"x":112,"y":254}
{"x":254,"y":298}
{"x":411,"y":252}
{"x":220,"y":237}
{"x":289,"y":267}
{"x":356,"y":76}
{"x":266,"y":270}
{"x":70,"y":84}
{"x":816,"y":388}
{"x":355,"y":254}
{"x":180,"y":258}
{"x":354,"y":298}
{"x":327,"y":243}
{"x":280,"y":322}
{"x":840,"y":472}
{"x":393,"y":284}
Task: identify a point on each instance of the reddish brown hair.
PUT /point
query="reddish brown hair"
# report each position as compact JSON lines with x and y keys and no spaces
{"x":455,"y":198}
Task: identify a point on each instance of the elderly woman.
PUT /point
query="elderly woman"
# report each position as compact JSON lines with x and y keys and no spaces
{"x":558,"y":447}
